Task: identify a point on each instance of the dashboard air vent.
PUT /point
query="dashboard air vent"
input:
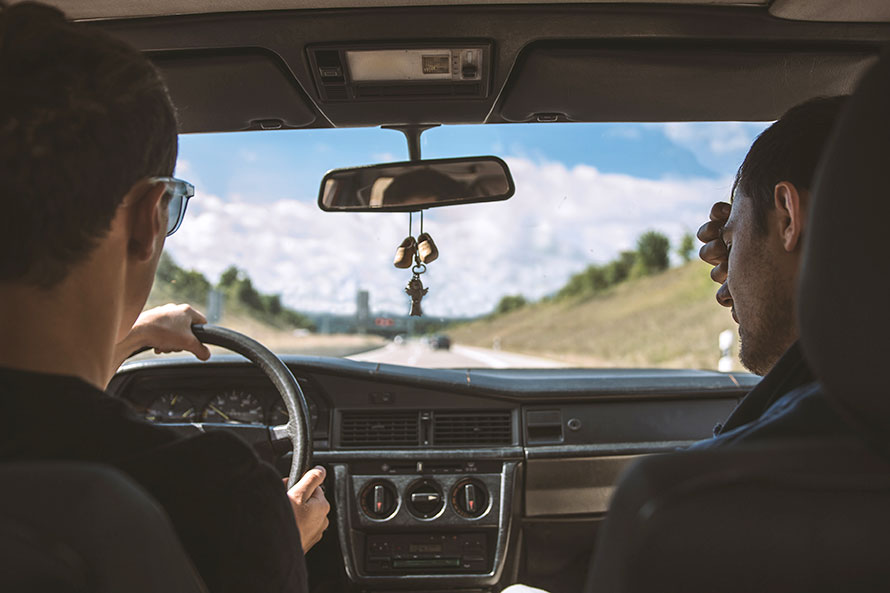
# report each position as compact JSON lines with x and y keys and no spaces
{"x":368,"y":429}
{"x":473,"y":428}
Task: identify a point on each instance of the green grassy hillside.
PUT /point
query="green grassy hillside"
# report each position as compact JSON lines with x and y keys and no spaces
{"x":667,"y":320}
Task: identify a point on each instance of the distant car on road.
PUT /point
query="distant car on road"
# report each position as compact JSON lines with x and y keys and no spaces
{"x":440,"y":342}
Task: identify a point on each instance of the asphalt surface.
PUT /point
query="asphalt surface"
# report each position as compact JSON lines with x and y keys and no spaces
{"x":417,"y":353}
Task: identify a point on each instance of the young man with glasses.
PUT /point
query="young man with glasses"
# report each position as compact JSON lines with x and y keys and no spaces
{"x":87,"y":149}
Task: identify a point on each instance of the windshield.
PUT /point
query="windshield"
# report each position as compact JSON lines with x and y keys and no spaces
{"x":592,"y":263}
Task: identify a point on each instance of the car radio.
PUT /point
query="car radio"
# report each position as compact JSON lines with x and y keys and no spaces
{"x":459,"y":553}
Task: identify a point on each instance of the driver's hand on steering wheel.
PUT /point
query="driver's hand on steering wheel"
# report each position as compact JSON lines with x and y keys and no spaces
{"x":310,"y":507}
{"x":166,"y":329}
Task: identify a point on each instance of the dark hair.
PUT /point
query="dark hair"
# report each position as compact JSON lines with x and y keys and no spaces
{"x":83,"y":117}
{"x":788,"y":150}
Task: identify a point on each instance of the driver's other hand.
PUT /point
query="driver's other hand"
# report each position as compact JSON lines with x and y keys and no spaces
{"x":714,"y":249}
{"x":169,"y":329}
{"x":310,"y":507}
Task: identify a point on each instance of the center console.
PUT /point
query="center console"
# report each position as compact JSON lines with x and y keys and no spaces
{"x":425,"y":523}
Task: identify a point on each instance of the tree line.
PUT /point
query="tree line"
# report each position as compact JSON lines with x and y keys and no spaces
{"x":651,"y":256}
{"x":237,"y":290}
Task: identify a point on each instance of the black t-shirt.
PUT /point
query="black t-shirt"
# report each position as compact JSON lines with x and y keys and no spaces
{"x":229,"y":508}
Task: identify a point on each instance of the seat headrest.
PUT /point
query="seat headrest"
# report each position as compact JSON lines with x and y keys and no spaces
{"x":844,"y":287}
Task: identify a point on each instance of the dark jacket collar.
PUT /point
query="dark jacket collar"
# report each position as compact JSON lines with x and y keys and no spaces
{"x":789,"y":373}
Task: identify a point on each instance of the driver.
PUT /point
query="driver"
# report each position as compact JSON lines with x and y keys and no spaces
{"x":87,"y":149}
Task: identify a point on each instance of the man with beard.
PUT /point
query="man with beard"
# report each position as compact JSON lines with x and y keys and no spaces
{"x":755,"y":245}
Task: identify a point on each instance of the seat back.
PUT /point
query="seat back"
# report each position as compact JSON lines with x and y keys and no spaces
{"x":801,"y":517}
{"x":68,"y":527}
{"x":844,"y":287}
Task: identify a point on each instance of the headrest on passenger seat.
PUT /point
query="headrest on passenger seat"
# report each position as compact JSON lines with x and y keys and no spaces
{"x":844,"y":288}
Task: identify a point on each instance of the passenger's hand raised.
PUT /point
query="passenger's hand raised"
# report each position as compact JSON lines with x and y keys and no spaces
{"x":714,"y":249}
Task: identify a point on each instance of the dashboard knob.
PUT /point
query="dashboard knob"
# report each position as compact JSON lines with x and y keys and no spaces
{"x":379,"y":500}
{"x":425,"y":499}
{"x":469,"y":498}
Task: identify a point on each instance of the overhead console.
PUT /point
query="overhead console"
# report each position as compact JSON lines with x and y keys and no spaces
{"x":676,"y":81}
{"x":375,"y":72}
{"x":416,"y":74}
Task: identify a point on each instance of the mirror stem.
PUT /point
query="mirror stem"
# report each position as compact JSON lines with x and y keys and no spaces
{"x":412,"y":134}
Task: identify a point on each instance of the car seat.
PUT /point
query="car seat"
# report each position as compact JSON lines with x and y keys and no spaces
{"x":808,"y":515}
{"x":86,"y":528}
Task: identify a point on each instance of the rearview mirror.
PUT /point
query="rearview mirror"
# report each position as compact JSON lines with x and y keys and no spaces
{"x":416,"y":185}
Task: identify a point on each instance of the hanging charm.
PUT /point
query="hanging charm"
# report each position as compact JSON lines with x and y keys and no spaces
{"x":419,"y":251}
{"x":406,"y":253}
{"x":416,"y":291}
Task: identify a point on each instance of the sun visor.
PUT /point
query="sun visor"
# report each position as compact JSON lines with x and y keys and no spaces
{"x":861,"y":11}
{"x":232,"y":90}
{"x":662,"y":82}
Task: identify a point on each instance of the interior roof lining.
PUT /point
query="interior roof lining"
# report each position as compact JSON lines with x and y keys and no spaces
{"x":860,"y":11}
{"x":115,"y":9}
{"x":510,"y":28}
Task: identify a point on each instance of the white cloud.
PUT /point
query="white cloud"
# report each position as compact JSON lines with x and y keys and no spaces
{"x":719,"y":138}
{"x":719,"y":146}
{"x":559,"y":221}
{"x":183,"y":167}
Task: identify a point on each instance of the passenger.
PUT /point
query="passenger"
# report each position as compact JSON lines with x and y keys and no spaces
{"x":87,"y":146}
{"x":755,"y":245}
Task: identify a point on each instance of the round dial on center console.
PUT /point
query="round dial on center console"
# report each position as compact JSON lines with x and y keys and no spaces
{"x":424,"y":499}
{"x":379,"y":500}
{"x":469,"y":498}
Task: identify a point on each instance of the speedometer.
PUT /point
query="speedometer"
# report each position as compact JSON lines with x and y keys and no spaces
{"x":171,"y":407}
{"x":234,"y":407}
{"x":279,"y":416}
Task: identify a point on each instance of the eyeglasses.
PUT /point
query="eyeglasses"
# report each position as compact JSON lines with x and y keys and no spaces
{"x":180,"y":191}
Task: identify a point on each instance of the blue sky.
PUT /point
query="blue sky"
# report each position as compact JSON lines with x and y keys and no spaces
{"x":584,"y":192}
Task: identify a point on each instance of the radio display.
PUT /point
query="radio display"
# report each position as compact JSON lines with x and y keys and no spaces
{"x":436,"y":64}
{"x":424,"y":548}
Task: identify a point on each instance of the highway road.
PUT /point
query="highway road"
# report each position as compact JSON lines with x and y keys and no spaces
{"x":418,"y":353}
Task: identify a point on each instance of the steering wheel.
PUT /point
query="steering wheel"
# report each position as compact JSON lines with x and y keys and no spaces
{"x":297,"y":427}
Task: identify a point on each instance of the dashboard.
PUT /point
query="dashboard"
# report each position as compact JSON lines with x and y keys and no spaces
{"x":448,"y":478}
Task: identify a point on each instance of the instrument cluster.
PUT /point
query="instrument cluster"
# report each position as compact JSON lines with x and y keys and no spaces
{"x":232,"y":406}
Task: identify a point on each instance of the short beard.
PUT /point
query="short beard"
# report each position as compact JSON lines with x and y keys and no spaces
{"x":764,"y":340}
